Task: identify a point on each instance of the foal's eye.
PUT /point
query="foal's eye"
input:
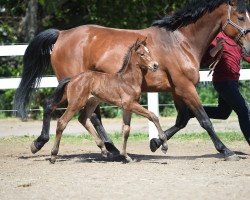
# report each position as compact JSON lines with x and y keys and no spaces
{"x":242,"y":19}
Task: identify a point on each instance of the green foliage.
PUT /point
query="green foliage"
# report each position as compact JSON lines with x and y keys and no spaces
{"x":207,"y":93}
{"x":6,"y":101}
{"x":121,"y":14}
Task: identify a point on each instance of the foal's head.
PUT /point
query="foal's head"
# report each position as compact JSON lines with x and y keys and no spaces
{"x":139,"y":55}
{"x":142,"y":55}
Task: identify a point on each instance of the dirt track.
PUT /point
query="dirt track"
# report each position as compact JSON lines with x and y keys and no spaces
{"x":190,"y":170}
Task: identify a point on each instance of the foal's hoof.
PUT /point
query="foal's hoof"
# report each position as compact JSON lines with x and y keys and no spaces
{"x":33,"y":147}
{"x":52,"y":159}
{"x":233,"y":157}
{"x":164,"y":149}
{"x":155,"y":144}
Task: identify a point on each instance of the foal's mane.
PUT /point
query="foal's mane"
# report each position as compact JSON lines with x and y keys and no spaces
{"x":192,"y":12}
{"x":127,"y":56}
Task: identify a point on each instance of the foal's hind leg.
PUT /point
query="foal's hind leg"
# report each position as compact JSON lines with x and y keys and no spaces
{"x":125,"y":133}
{"x":61,"y":125}
{"x":84,"y":119}
{"x":49,"y":107}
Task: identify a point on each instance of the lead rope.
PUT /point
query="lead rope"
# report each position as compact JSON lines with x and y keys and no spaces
{"x":214,"y":63}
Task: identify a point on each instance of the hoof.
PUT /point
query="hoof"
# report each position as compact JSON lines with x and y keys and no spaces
{"x":104,"y":153}
{"x":233,"y":157}
{"x":33,"y":147}
{"x":164,"y":150}
{"x":155,"y":144}
{"x":52,"y":159}
{"x":111,"y":148}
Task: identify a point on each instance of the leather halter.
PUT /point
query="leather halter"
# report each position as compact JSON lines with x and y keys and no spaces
{"x":242,"y":31}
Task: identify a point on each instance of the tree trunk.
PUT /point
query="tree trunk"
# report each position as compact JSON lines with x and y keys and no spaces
{"x":28,"y":25}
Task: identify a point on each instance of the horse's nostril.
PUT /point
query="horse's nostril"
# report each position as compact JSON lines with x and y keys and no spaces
{"x":155,"y":66}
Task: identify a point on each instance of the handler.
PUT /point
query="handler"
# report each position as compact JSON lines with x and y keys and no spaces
{"x":226,"y":82}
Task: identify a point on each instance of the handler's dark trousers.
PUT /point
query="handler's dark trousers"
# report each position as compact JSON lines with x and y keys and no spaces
{"x":230,"y":99}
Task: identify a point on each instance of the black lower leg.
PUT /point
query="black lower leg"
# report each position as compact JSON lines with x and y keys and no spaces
{"x":103,"y":135}
{"x":181,"y":121}
{"x":44,"y":137}
{"x":207,"y":125}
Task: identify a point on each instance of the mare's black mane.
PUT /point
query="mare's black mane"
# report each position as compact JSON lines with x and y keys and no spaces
{"x":192,"y":12}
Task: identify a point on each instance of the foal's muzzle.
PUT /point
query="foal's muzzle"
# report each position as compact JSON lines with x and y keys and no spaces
{"x":155,"y":66}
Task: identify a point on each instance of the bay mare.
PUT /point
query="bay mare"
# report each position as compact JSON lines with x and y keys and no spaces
{"x":176,"y":42}
{"x":122,"y":89}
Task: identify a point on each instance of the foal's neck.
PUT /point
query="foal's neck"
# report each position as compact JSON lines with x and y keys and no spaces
{"x":132,"y":74}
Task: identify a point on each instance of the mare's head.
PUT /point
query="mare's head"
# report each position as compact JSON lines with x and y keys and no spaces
{"x":236,"y":24}
{"x":143,"y":56}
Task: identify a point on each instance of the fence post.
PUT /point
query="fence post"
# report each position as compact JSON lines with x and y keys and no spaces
{"x":153,"y":106}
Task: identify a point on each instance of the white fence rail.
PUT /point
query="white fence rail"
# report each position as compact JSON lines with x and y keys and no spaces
{"x":47,"y":82}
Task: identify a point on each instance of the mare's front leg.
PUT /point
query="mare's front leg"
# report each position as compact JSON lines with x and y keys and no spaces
{"x":50,"y":105}
{"x":137,"y":108}
{"x":192,"y":100}
{"x":125,"y":132}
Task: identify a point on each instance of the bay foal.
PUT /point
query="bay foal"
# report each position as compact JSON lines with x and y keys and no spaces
{"x":122,"y":89}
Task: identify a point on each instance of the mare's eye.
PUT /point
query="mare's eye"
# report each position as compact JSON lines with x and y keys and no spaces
{"x":242,"y":19}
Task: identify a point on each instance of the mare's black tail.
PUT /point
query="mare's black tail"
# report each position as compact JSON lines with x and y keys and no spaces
{"x":36,"y":60}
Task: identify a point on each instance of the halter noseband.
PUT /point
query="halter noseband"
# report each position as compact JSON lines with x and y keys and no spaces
{"x":242,"y":31}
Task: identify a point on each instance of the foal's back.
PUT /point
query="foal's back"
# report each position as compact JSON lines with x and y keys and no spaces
{"x":109,"y":88}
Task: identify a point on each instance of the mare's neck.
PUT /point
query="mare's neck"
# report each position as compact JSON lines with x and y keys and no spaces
{"x":200,"y":34}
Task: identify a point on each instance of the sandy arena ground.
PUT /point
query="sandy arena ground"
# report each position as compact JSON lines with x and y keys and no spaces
{"x":190,"y":170}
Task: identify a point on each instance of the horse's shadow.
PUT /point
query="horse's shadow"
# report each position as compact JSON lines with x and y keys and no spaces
{"x":97,"y":158}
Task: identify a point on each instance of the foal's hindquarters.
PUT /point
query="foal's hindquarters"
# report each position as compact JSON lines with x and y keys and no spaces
{"x":78,"y":96}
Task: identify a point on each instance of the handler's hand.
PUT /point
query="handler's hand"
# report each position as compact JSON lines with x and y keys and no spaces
{"x":219,"y":46}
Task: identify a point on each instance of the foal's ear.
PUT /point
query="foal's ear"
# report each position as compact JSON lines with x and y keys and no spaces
{"x":144,"y":41}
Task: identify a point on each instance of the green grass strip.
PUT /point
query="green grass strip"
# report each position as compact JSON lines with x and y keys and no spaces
{"x":117,"y":137}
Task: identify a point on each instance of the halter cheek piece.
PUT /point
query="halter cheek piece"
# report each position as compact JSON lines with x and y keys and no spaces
{"x":242,"y":31}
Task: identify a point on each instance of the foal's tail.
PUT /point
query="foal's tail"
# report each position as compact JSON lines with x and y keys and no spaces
{"x":59,"y":91}
{"x":36,"y":61}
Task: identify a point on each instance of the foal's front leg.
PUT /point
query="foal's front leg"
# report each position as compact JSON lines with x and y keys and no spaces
{"x":84,"y":119}
{"x":181,"y":121}
{"x":137,"y":108}
{"x":125,"y":133}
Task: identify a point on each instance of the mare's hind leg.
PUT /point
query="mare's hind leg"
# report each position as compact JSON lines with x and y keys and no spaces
{"x":84,"y":119}
{"x":96,"y":121}
{"x":125,"y":133}
{"x":181,"y":121}
{"x":50,"y":105}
